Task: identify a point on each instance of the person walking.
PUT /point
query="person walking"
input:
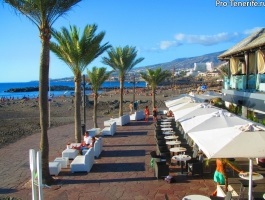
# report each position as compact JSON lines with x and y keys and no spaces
{"x":155,"y":114}
{"x":147,"y":113}
{"x":220,"y":176}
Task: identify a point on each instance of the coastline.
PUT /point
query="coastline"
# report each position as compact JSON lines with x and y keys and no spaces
{"x":57,"y":88}
{"x":20,"y":117}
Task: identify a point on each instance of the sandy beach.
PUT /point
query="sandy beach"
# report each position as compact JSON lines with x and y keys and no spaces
{"x":20,"y":118}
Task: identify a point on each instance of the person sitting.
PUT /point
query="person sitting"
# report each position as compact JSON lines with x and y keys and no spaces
{"x":87,"y":138}
{"x":86,"y":143}
{"x":93,"y":140}
{"x":170,"y":113}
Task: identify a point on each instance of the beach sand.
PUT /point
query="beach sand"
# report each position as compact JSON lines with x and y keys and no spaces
{"x":20,"y":118}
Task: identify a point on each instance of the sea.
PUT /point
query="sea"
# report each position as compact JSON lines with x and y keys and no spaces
{"x":19,"y":95}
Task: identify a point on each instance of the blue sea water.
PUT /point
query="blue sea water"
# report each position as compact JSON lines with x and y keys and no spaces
{"x":106,"y":85}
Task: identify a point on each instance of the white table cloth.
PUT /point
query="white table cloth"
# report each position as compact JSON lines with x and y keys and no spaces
{"x":171,"y":137}
{"x":168,"y":133}
{"x":167,"y":129}
{"x":177,"y":149}
{"x":172,"y":143}
{"x":255,"y":176}
{"x":166,"y":122}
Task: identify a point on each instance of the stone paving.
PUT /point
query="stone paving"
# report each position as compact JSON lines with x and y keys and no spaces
{"x":121,"y":172}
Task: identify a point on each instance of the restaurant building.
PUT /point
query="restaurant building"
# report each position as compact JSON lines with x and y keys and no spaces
{"x":244,"y":84}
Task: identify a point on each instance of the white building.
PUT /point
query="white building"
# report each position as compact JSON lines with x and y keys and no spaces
{"x":203,"y":67}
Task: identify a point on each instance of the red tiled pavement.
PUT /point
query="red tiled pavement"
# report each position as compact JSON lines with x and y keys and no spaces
{"x":121,"y":172}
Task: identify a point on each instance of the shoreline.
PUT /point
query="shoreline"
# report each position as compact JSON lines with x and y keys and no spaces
{"x":20,"y":117}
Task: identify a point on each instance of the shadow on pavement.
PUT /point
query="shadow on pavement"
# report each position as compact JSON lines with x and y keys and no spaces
{"x":117,"y":167}
{"x":123,"y":153}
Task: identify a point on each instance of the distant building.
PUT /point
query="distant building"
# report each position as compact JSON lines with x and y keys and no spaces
{"x":202,"y":74}
{"x":213,"y":74}
{"x":192,"y":73}
{"x":203,"y":67}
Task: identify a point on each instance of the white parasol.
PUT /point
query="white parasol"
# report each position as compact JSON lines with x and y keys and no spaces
{"x":245,"y":141}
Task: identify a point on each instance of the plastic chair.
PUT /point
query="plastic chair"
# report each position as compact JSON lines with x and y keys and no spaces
{"x":244,"y":185}
{"x":196,"y":168}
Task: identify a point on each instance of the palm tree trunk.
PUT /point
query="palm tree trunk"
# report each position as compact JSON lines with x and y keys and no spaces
{"x":43,"y":109}
{"x":95,"y":110}
{"x":153,"y":97}
{"x":121,"y":96}
{"x":78,"y":109}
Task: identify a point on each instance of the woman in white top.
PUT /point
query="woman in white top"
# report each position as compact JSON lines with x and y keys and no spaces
{"x":87,"y":138}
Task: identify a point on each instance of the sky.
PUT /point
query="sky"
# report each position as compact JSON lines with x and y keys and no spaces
{"x":161,"y":31}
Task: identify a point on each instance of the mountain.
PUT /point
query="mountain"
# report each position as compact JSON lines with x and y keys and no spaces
{"x":186,"y":63}
{"x":180,"y":63}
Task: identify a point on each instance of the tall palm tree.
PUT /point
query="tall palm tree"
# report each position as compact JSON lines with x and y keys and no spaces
{"x":77,"y":52}
{"x":96,"y":78}
{"x":154,"y":78}
{"x":43,"y":13}
{"x":122,"y":60}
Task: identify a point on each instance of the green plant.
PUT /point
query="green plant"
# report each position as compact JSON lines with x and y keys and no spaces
{"x":232,"y":108}
{"x":263,"y":121}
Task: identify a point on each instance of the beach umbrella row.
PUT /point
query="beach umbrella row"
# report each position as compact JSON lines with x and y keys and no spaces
{"x":242,"y":141}
{"x":205,"y":124}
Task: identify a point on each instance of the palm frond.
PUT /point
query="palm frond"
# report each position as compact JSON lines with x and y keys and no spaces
{"x":76,"y":50}
{"x":42,"y":13}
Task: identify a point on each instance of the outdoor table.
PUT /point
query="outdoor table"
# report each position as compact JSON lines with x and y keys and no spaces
{"x":255,"y":176}
{"x":171,"y":137}
{"x":177,"y":149}
{"x":165,"y":125}
{"x":182,"y":159}
{"x":166,"y":129}
{"x":245,"y":182}
{"x":167,"y":122}
{"x":196,"y":197}
{"x":172,"y":143}
{"x":168,"y":133}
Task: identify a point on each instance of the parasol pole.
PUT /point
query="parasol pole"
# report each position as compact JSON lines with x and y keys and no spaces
{"x":250,"y":179}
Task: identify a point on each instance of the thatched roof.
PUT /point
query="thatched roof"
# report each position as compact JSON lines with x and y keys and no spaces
{"x":252,"y":42}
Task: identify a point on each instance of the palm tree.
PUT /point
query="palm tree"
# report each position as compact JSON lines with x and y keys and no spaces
{"x":77,"y":52}
{"x":154,"y":78}
{"x":96,"y":78}
{"x":43,"y":14}
{"x":122,"y":60}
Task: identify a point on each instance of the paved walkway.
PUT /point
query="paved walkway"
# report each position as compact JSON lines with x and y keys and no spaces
{"x":121,"y":172}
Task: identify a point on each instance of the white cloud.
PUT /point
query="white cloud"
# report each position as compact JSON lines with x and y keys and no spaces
{"x":167,"y":44}
{"x":206,"y":40}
